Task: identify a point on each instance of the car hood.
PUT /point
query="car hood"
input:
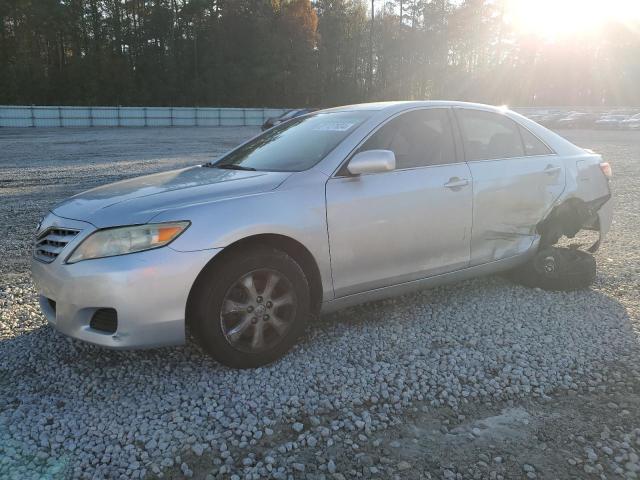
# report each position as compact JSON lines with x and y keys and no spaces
{"x":139,"y":199}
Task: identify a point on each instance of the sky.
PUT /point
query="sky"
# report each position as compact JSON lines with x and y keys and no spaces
{"x":554,"y":19}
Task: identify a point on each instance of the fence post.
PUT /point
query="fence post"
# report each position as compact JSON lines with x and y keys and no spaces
{"x":195,"y":116}
{"x":171,"y":115}
{"x":219,"y":117}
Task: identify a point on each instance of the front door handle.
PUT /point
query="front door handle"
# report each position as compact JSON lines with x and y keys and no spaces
{"x":552,"y":170}
{"x":455,"y":182}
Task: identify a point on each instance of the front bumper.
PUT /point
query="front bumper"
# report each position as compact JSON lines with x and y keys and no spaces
{"x":148,"y":290}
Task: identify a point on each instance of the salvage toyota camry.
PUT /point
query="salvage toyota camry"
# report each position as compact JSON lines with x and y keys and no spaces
{"x":330,"y":209}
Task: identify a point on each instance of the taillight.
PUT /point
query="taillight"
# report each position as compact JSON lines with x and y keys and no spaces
{"x":606,"y":169}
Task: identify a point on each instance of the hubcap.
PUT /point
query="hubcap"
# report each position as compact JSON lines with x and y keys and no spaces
{"x":549,"y":264}
{"x":258,"y":311}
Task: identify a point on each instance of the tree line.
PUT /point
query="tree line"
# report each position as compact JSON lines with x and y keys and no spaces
{"x":300,"y":53}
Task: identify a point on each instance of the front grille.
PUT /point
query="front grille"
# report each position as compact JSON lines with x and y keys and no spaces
{"x":51,"y":242}
{"x":105,"y":320}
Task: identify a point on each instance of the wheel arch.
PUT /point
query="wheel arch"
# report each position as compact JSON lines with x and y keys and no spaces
{"x":568,"y":218}
{"x":288,"y":245}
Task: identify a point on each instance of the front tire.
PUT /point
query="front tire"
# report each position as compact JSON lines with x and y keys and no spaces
{"x":250,"y":308}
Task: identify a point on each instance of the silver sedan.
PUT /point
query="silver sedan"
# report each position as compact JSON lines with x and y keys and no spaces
{"x":324,"y":211}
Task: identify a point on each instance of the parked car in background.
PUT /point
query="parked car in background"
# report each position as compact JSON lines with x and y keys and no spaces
{"x":238,"y":249}
{"x":577,"y":120}
{"x":288,"y":115}
{"x":610,"y":121}
{"x":631,"y":123}
{"x":550,"y":120}
{"x":535,"y":116}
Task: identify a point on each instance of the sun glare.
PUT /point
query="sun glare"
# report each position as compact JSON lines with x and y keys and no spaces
{"x":553,"y":19}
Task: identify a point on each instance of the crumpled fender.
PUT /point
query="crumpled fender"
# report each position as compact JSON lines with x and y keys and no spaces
{"x":573,"y":215}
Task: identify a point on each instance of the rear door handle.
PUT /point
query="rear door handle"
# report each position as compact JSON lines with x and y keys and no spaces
{"x":552,"y":170}
{"x":455,"y":182}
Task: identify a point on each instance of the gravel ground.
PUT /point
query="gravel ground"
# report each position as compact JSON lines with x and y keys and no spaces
{"x":482,"y":379}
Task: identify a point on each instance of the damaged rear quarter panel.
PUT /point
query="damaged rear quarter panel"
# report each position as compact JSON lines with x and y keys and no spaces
{"x":587,"y":180}
{"x":585,"y":203}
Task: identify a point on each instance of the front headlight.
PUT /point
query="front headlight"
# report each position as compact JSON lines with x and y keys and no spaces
{"x":121,"y":240}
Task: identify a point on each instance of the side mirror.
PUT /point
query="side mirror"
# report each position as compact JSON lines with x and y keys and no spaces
{"x":372,"y":161}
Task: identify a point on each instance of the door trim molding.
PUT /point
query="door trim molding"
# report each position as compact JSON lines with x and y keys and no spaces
{"x":428,"y":282}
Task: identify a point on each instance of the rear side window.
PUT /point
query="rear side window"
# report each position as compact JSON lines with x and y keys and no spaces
{"x":533,"y":146}
{"x":418,"y":138}
{"x":488,"y":135}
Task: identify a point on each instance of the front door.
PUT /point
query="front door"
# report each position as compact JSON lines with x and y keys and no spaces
{"x":410,"y":223}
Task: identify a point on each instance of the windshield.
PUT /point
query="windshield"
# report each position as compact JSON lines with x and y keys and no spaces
{"x":295,"y":145}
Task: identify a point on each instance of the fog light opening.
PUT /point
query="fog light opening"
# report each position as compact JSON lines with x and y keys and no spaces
{"x":105,"y":320}
{"x":52,"y":304}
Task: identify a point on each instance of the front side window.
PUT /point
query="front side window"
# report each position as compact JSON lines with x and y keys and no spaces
{"x":295,"y":145}
{"x":418,"y":138}
{"x":488,"y":136}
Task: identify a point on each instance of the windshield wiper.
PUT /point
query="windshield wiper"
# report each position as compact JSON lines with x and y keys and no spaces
{"x":230,"y":166}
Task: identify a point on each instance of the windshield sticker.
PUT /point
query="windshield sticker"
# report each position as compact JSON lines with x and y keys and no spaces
{"x":334,"y":127}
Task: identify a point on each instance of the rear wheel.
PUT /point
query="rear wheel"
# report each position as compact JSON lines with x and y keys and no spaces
{"x":555,"y":268}
{"x":249,"y":309}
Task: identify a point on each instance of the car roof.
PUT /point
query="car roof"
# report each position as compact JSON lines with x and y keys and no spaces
{"x":405,"y":105}
{"x":387,"y":109}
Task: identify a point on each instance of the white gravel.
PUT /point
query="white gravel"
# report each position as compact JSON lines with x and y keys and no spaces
{"x":71,"y":410}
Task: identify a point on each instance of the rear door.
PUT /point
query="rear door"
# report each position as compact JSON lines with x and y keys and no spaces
{"x":516,"y":180}
{"x":413,"y":222}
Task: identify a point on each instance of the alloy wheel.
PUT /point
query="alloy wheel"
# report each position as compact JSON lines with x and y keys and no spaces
{"x":258,"y":311}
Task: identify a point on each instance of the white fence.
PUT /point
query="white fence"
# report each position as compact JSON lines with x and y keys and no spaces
{"x":38,"y":116}
{"x":35,"y":116}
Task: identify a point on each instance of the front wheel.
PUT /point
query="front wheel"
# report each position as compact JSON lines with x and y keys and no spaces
{"x":249,"y":309}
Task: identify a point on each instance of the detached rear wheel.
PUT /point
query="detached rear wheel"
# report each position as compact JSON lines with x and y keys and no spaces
{"x":250,"y":309}
{"x":556,"y":268}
